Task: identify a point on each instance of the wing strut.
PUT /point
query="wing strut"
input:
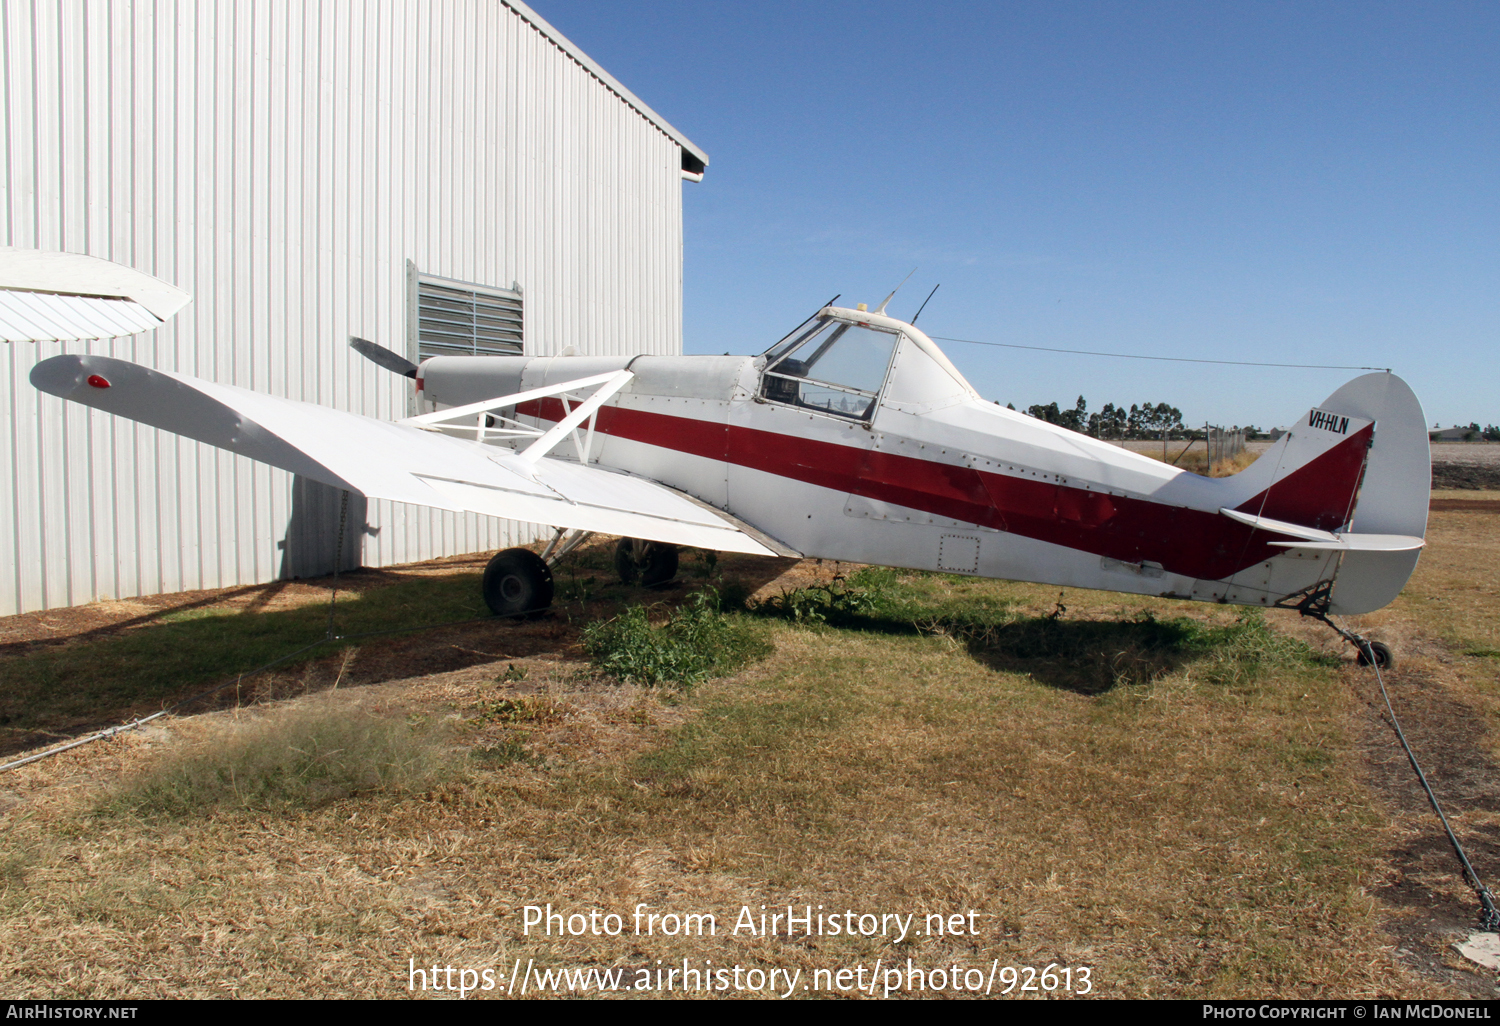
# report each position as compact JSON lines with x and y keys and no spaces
{"x":485,"y":412}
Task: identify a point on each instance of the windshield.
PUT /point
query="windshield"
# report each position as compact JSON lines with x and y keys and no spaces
{"x":834,"y":367}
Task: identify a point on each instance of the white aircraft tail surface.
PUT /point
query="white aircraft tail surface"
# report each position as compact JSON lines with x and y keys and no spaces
{"x":1394,"y":496}
{"x":1355,"y":475}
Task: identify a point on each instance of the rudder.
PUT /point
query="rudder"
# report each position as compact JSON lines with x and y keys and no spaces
{"x":1394,"y":495}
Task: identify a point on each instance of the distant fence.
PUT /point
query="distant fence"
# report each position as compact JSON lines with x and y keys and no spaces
{"x":1224,"y":445}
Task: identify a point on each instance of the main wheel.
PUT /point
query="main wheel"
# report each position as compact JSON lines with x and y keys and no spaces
{"x":517,"y":582}
{"x":1384,"y":659}
{"x":645,"y":563}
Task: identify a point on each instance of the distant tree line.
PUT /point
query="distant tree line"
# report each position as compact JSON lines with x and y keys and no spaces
{"x":1140,"y":421}
{"x":1162,"y":421}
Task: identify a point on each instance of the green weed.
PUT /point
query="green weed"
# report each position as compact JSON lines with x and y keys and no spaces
{"x":890,"y":601}
{"x":836,"y":603}
{"x":528,"y":709}
{"x":698,"y":641}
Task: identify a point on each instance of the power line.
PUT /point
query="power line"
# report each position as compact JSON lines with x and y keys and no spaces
{"x":1169,"y":359}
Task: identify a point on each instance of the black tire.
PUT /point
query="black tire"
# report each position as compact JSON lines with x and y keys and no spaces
{"x":1384,"y":658}
{"x":517,"y":582}
{"x":656,"y":563}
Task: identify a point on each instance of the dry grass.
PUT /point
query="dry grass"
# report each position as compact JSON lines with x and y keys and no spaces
{"x":1448,"y":617}
{"x":1194,"y":458}
{"x":1457,"y":583}
{"x":1445,"y":629}
{"x":318,"y":751}
{"x":1182,"y":800}
{"x":1191,"y":833}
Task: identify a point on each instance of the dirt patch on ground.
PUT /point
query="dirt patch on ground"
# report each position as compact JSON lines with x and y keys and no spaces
{"x":1465,"y":505}
{"x":1465,"y":475}
{"x":1466,"y":465}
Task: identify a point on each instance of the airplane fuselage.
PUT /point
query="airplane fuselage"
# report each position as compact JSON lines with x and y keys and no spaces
{"x":930,"y":476}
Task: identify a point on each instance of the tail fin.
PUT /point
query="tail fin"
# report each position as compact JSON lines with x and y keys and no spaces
{"x":1311,"y":475}
{"x":1394,"y":496}
{"x":1358,"y":465}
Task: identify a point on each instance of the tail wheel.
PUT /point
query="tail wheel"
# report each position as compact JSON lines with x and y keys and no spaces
{"x":517,"y":583}
{"x":645,"y":563}
{"x":1384,"y":658}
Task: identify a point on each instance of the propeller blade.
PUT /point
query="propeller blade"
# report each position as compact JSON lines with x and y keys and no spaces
{"x":383,"y":357}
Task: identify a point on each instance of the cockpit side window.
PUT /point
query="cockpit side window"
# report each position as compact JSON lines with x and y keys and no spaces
{"x":834,"y":367}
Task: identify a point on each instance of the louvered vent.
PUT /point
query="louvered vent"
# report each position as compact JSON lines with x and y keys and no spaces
{"x":460,"y":319}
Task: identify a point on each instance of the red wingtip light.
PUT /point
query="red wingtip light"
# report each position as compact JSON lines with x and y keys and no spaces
{"x":98,"y":381}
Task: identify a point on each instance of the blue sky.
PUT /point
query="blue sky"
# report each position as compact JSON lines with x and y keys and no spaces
{"x":1287,"y":182}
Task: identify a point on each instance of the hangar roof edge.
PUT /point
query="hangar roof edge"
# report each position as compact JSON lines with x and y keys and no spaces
{"x":690,"y":151}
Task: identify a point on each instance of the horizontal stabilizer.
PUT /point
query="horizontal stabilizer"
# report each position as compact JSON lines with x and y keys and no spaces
{"x":1280,"y":526}
{"x":382,"y":460}
{"x":1359,"y":543}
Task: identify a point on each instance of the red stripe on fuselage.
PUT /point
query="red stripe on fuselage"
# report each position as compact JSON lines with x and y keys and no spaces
{"x":1194,"y":543}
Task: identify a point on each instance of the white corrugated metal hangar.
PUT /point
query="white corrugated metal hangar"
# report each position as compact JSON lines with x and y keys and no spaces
{"x":439,"y":176}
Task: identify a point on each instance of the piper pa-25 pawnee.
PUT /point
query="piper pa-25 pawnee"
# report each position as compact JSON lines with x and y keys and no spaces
{"x":854,"y":438}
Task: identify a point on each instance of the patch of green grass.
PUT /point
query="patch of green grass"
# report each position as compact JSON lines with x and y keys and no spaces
{"x":1090,"y":655}
{"x":503,"y":752}
{"x":301,"y":758}
{"x":530,"y":709}
{"x":887,"y":600}
{"x":1093,"y":656}
{"x":1247,"y":651}
{"x":902,"y":601}
{"x":13,"y":867}
{"x":699,"y":640}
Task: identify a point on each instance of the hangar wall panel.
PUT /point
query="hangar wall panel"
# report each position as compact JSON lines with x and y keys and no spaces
{"x":283,"y":162}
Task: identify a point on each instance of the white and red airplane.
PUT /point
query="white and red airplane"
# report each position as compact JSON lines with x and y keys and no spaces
{"x":855,"y":439}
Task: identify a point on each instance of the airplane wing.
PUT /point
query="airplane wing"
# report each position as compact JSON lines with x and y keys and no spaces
{"x":48,"y":296}
{"x":384,"y":460}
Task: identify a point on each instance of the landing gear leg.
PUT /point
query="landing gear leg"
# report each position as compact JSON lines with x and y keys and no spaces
{"x":646,"y":563}
{"x":517,"y":582}
{"x":1315,"y":604}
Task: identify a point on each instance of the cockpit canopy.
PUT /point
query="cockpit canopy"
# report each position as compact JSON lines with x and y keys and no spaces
{"x":831,"y":366}
{"x":845,"y":363}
